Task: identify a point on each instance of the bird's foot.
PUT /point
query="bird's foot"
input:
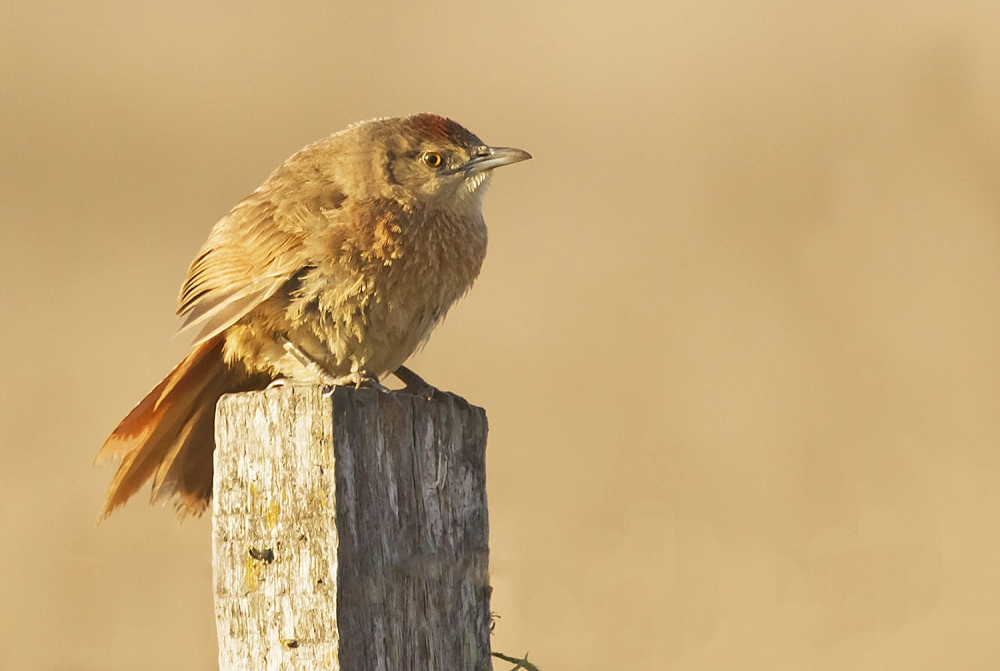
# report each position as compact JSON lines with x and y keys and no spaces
{"x":328,"y":385}
{"x":359,"y":380}
{"x":310,"y":364}
{"x":279,"y":382}
{"x":414,"y":384}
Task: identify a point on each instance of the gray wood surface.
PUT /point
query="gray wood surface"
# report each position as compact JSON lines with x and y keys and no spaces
{"x":350,"y":531}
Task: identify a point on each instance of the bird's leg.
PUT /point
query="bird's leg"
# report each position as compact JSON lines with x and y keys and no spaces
{"x":309,"y":363}
{"x":359,"y":379}
{"x":415,"y":384}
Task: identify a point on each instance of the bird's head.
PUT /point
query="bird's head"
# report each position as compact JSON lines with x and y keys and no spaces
{"x":428,"y":160}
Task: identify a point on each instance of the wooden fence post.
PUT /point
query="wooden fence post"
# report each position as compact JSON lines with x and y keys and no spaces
{"x":350,"y":532}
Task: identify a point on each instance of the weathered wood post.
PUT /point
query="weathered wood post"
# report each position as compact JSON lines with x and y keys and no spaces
{"x":350,"y":531}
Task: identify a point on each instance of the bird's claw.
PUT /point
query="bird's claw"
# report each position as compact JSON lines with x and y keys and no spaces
{"x":359,"y":380}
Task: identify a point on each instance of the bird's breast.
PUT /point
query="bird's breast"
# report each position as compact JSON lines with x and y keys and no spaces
{"x":374,"y":299}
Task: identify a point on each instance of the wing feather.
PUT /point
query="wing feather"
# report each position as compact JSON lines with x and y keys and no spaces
{"x":249,"y":255}
{"x":261,"y":244}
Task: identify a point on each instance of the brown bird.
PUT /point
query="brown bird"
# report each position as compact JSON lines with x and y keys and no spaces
{"x":334,"y":271}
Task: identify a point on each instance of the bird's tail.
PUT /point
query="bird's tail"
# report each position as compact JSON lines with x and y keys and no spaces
{"x":169,"y":436}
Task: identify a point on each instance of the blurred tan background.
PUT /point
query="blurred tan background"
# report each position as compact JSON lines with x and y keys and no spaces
{"x":738,"y":333}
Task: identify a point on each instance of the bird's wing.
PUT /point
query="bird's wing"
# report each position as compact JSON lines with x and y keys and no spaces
{"x":250,"y":253}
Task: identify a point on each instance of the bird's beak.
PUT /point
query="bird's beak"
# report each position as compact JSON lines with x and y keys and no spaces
{"x":488,"y":158}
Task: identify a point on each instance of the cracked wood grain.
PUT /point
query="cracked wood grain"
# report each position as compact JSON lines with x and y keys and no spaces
{"x":350,"y":531}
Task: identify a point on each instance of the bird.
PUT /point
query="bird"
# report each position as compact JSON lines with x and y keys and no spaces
{"x":333,"y":272}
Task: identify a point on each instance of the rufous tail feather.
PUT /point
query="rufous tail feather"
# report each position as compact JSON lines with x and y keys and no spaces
{"x":170,"y":435}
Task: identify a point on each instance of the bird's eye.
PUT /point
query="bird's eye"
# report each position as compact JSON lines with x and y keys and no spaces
{"x":433,"y":159}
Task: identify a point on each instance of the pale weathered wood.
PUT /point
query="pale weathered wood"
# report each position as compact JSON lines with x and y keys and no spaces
{"x":350,"y":532}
